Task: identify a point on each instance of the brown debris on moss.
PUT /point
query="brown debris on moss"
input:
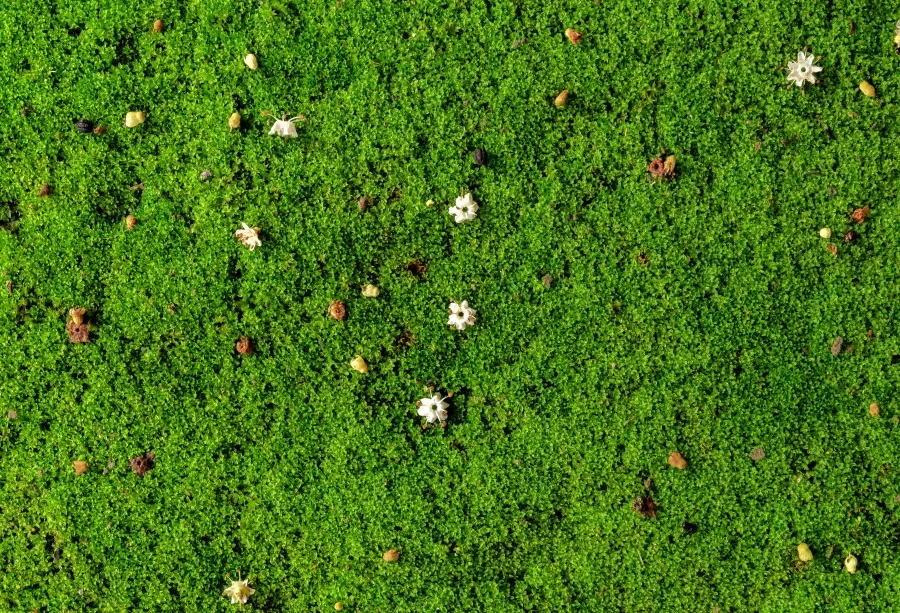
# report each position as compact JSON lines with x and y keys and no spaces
{"x":244,"y":346}
{"x":644,"y":505}
{"x":337,"y":310}
{"x":142,"y":463}
{"x":77,"y":328}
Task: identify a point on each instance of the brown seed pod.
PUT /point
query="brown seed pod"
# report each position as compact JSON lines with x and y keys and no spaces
{"x":562,"y":98}
{"x":362,"y":203}
{"x":130,"y":222}
{"x":859,"y":215}
{"x":337,"y":310}
{"x":832,"y":249}
{"x":45,"y":191}
{"x":142,"y":463}
{"x":837,"y":345}
{"x":757,"y":454}
{"x":244,"y":346}
{"x":849,"y":236}
{"x":77,"y":315}
{"x":158,"y":26}
{"x":874,"y":410}
{"x":391,"y":555}
{"x":645,"y":506}
{"x":80,"y":466}
{"x":574,"y":36}
{"x":676,"y":460}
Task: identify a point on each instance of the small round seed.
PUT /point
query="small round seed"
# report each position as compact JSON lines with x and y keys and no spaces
{"x":825,"y":233}
{"x":158,"y":26}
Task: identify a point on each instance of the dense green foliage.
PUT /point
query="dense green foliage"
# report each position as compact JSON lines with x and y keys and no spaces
{"x":694,"y":314}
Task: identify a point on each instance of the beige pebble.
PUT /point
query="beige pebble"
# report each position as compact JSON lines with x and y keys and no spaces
{"x":370,"y":291}
{"x":429,"y":202}
{"x":250,"y":61}
{"x":804,"y":552}
{"x":158,"y":26}
{"x":825,"y":233}
{"x":866,"y":88}
{"x":338,"y":606}
{"x":234,"y":121}
{"x":850,"y":563}
{"x":134,"y":118}
{"x":676,"y":460}
{"x":391,"y":555}
{"x":359,"y":364}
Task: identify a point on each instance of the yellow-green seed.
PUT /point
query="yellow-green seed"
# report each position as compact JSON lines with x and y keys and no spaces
{"x":804,"y":552}
{"x":234,"y":121}
{"x":359,"y":364}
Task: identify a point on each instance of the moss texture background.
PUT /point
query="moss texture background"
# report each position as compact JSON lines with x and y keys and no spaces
{"x":299,"y":471}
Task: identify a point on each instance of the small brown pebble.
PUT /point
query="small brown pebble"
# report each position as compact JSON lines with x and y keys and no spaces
{"x":130,"y":222}
{"x":676,"y":460}
{"x":849,"y":236}
{"x":562,"y":98}
{"x":244,"y":346}
{"x":574,"y":36}
{"x":11,"y":414}
{"x":757,"y":454}
{"x":480,"y":156}
{"x":859,"y":215}
{"x":645,"y":506}
{"x":547,"y":280}
{"x":837,"y":345}
{"x":362,"y":203}
{"x":45,"y":191}
{"x":142,"y":463}
{"x":337,"y":310}
{"x":80,"y":467}
{"x":832,"y":249}
{"x":158,"y":26}
{"x":391,"y":555}
{"x":874,"y":410}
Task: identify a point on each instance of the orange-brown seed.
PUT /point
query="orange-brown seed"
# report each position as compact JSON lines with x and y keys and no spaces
{"x":676,"y":460}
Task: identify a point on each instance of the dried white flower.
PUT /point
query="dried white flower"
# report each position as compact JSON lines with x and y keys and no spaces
{"x":433,"y":409}
{"x":464,"y":209}
{"x":239,"y":591}
{"x":802,"y":70}
{"x":284,"y":127}
{"x":461,"y":315}
{"x":249,"y":236}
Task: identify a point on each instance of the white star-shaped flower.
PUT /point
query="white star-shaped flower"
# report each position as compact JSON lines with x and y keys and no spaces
{"x":461,"y":315}
{"x":249,"y":237}
{"x":465,"y":209}
{"x":433,"y":409}
{"x":239,"y":591}
{"x":284,"y":127}
{"x":802,"y":70}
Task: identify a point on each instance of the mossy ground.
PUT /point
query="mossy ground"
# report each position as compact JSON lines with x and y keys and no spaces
{"x":300,"y":472}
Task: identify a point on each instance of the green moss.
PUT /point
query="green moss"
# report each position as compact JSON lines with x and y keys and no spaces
{"x":299,"y":472}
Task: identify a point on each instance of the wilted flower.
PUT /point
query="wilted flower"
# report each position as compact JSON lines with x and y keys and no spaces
{"x":239,"y":591}
{"x":249,"y":237}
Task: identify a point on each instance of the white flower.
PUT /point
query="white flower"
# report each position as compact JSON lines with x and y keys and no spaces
{"x":239,"y":591}
{"x":285,"y":127}
{"x":433,"y":409}
{"x":802,"y":70}
{"x":461,"y":315}
{"x":249,"y":236}
{"x":464,"y":209}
